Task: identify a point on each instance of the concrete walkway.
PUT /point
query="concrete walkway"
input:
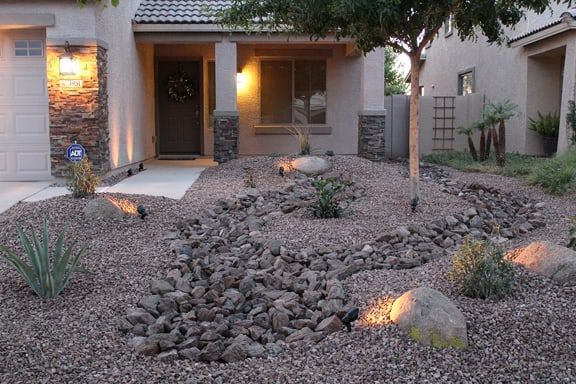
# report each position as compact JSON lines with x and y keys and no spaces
{"x":168,"y":178}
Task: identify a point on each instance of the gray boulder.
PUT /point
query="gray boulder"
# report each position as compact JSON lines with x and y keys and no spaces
{"x":311,"y":165}
{"x":550,"y":260}
{"x":430,"y":318}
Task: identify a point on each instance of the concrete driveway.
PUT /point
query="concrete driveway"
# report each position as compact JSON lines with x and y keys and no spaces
{"x":12,"y":192}
{"x":168,"y":178}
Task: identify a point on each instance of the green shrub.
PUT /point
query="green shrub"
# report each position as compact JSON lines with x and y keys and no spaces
{"x":547,"y":125}
{"x":82,"y":180}
{"x":330,"y":153}
{"x":572,"y":234}
{"x":571,"y":121}
{"x":557,"y":175}
{"x":481,"y":271}
{"x":329,"y":194}
{"x":48,"y":272}
{"x":516,"y":164}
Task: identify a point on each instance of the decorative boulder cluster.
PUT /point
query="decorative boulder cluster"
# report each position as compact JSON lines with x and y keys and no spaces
{"x":232,"y":294}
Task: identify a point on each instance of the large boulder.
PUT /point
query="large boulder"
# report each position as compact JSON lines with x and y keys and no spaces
{"x":430,"y":318}
{"x":550,"y":260}
{"x":104,"y":208}
{"x":311,"y":165}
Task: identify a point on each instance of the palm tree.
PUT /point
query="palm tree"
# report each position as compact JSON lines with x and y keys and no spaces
{"x":501,"y":111}
{"x":468,"y":132}
{"x":490,"y":122}
{"x":481,"y":126}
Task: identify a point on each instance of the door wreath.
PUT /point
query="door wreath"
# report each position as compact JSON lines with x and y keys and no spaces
{"x":180,"y":87}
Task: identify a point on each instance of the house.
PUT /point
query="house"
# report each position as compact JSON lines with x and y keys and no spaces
{"x":536,"y":70}
{"x":159,"y":78}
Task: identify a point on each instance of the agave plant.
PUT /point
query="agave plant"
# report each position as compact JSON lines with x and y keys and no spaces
{"x":48,"y":272}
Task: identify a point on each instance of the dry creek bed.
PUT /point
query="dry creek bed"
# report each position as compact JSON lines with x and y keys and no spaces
{"x":74,"y":338}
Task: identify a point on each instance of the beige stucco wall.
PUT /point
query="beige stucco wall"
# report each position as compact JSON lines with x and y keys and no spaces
{"x":500,"y":73}
{"x":130,"y":86}
{"x":71,"y":21}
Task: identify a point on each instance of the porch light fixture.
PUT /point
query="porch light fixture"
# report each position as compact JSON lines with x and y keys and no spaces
{"x":69,"y":65}
{"x":240,"y":79}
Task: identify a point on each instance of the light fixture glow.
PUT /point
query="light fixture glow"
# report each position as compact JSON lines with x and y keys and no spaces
{"x":69,"y":65}
{"x":241,"y":80}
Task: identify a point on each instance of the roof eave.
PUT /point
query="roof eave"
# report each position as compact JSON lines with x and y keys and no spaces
{"x":158,"y":27}
{"x":543,"y":34}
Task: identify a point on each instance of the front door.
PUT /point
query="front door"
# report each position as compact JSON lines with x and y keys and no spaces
{"x":179,"y":105}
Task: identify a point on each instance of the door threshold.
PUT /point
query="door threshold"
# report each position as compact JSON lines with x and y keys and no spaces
{"x":177,"y":156}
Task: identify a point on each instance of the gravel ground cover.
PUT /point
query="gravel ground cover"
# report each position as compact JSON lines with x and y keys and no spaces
{"x":529,"y":337}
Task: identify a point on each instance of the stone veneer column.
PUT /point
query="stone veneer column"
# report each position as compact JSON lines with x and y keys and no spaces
{"x":79,"y":114}
{"x":226,"y":132}
{"x":226,"y":117}
{"x":372,"y":119}
{"x":371,"y":129}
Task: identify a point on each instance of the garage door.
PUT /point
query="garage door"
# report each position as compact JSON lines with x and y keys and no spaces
{"x":24,"y":132}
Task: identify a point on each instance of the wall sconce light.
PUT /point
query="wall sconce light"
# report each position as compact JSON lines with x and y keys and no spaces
{"x":69,"y":65}
{"x":240,"y":79}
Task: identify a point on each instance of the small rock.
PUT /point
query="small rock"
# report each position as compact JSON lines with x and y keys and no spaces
{"x":311,"y":165}
{"x":160,"y":287}
{"x":235,"y":352}
{"x":330,"y":325}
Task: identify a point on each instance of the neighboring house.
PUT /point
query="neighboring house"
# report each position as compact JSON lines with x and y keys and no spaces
{"x":536,"y":70}
{"x":158,"y":78}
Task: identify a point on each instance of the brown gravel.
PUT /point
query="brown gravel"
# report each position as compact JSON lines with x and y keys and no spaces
{"x":529,"y":337}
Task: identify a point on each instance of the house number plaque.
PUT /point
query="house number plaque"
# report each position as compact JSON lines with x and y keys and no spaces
{"x":67,"y":83}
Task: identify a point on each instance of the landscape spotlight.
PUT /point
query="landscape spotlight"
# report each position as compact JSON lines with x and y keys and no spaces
{"x":141,"y":167}
{"x":142,"y":212}
{"x":350,"y":317}
{"x":281,"y":171}
{"x":130,"y":172}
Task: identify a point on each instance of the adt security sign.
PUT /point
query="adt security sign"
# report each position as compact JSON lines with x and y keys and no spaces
{"x":75,"y":152}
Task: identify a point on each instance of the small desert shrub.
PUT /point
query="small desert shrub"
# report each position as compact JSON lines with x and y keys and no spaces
{"x":302,"y":134}
{"x":49,"y":271}
{"x":82,"y":180}
{"x":330,"y":153}
{"x":481,"y":271}
{"x":329,"y":195}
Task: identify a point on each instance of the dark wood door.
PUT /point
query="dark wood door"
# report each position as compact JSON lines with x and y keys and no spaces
{"x":179,"y":117}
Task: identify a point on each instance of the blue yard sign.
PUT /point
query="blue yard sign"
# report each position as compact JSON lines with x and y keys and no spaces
{"x":75,"y":152}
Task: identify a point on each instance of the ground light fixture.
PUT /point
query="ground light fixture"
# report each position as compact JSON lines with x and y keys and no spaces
{"x":69,"y":64}
{"x":142,"y":211}
{"x":141,"y":167}
{"x":281,"y":171}
{"x":129,"y":172}
{"x":350,"y":317}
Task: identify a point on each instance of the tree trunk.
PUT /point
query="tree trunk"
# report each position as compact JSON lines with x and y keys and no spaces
{"x":502,"y":144}
{"x":482,"y":145}
{"x":488,"y":143}
{"x":495,"y":141}
{"x":472,"y":148}
{"x":414,"y":123}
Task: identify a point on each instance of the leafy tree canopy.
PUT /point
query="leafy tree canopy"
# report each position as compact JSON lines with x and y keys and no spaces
{"x":394,"y":80}
{"x":406,"y":25}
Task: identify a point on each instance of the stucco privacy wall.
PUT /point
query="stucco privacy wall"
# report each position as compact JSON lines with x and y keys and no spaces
{"x":500,"y":74}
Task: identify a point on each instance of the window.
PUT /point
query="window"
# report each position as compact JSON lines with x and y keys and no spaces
{"x":28,"y":48}
{"x":293,"y":92}
{"x":448,"y":26}
{"x":466,"y":82}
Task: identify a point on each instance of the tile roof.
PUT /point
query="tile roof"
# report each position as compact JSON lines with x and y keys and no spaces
{"x":569,"y":13}
{"x":178,"y":11}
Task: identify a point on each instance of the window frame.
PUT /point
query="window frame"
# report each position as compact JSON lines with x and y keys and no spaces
{"x":461,"y":74}
{"x":27,"y":49}
{"x":293,"y":61}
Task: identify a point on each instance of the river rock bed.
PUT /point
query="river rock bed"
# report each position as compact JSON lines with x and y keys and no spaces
{"x":232,"y":293}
